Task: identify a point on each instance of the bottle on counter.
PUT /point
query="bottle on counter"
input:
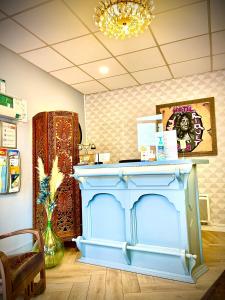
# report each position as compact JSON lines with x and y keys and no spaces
{"x":160,"y":148}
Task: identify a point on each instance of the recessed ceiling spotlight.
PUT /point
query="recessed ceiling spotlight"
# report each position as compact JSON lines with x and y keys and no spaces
{"x":104,"y":70}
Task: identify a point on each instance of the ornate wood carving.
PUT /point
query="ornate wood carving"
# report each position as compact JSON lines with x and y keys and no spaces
{"x":57,"y":133}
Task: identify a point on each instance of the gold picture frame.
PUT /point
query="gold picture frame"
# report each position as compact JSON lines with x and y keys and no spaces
{"x":194,"y":121}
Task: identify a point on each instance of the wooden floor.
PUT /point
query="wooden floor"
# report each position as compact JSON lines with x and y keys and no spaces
{"x":73,"y":280}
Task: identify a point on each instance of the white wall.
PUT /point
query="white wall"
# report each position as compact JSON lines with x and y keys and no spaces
{"x":42,"y":93}
{"x":113,"y":115}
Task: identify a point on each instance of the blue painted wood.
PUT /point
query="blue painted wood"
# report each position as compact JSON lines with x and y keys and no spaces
{"x":145,"y":163}
{"x":142,"y":217}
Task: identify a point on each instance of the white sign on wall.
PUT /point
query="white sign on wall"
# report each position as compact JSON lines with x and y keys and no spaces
{"x":8,"y":134}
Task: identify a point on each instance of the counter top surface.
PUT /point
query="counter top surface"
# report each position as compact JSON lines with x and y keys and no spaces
{"x":145,"y":163}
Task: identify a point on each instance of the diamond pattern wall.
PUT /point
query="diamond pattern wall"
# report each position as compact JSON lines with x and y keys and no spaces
{"x":111,"y":124}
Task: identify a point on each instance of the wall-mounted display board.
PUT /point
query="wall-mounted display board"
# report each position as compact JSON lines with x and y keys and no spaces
{"x":10,"y":171}
{"x":8,"y":135}
{"x":3,"y":170}
{"x":14,"y":171}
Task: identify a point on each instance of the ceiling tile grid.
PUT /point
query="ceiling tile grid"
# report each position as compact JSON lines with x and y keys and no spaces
{"x":47,"y":59}
{"x":217,"y":15}
{"x":90,"y":87}
{"x":219,"y":62}
{"x":52,"y":22}
{"x":118,"y":47}
{"x":201,"y":65}
{"x":187,"y":49}
{"x":85,"y":10}
{"x":59,"y":36}
{"x":181,"y":23}
{"x":118,"y":82}
{"x":71,"y":75}
{"x":82,"y":50}
{"x":12,"y":7}
{"x":93,"y":68}
{"x":218,"y":42}
{"x":163,"y":6}
{"x":16,"y":38}
{"x":152,"y":75}
{"x":143,"y":59}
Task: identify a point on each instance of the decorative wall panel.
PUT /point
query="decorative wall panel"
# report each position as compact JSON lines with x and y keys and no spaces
{"x":111,"y":124}
{"x":56,"y":133}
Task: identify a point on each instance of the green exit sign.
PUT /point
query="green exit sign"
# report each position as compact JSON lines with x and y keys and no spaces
{"x":6,"y":100}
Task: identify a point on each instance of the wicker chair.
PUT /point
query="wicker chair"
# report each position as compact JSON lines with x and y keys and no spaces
{"x":17,"y":272}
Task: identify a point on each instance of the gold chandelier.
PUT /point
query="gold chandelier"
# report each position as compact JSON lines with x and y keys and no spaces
{"x":123,"y":18}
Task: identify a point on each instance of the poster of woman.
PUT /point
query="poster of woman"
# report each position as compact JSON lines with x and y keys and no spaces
{"x":194,"y":122}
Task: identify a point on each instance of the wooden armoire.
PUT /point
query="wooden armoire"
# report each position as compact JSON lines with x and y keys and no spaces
{"x":57,"y":133}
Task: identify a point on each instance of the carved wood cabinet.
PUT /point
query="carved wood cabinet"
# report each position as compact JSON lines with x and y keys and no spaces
{"x":57,"y":133}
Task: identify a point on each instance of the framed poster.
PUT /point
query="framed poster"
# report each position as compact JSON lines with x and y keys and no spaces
{"x":194,"y":122}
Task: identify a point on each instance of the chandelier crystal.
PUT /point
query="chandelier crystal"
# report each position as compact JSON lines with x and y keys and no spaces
{"x":123,"y":18}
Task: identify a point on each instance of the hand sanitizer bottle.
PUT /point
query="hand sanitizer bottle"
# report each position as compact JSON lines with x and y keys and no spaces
{"x":160,"y":149}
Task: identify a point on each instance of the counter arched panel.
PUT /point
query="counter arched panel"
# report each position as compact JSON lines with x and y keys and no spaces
{"x":107,"y":218}
{"x":158,"y":221}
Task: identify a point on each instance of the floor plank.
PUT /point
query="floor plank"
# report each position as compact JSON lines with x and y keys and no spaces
{"x":113,"y":285}
{"x":96,"y":289}
{"x":130,"y":283}
{"x":73,"y":280}
{"x":79,"y":291}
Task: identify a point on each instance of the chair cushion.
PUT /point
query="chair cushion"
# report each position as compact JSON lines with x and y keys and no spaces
{"x":24,"y":264}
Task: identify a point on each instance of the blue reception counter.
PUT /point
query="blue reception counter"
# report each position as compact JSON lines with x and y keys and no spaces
{"x":142,"y":217}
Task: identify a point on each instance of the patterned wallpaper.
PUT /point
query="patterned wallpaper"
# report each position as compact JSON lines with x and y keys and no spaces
{"x":111,"y":124}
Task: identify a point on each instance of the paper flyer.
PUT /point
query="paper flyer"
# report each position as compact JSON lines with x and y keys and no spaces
{"x":14,"y":170}
{"x":170,"y":144}
{"x":3,"y":170}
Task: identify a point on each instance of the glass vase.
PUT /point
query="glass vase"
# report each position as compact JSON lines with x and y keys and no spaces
{"x":53,"y":247}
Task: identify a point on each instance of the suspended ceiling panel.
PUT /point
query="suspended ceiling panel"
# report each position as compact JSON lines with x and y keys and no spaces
{"x":59,"y":36}
{"x":47,"y":59}
{"x":82,"y":50}
{"x":71,"y":75}
{"x":152,"y":75}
